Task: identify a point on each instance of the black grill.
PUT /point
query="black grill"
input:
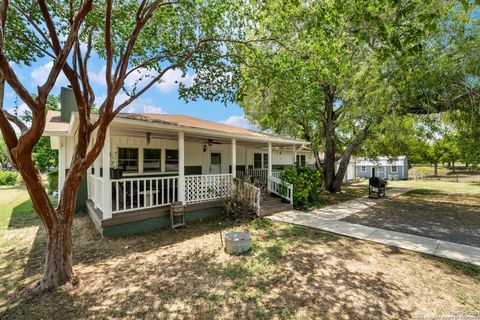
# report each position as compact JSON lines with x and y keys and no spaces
{"x":376,"y":187}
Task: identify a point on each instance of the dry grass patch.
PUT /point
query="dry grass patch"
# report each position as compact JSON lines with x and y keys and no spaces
{"x":291,"y":272}
{"x":349,"y":192}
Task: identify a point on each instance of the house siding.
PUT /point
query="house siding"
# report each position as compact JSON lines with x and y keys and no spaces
{"x":402,"y":171}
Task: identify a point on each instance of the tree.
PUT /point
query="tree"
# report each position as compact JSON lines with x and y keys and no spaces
{"x":330,"y":84}
{"x":139,"y":40}
{"x":4,"y":161}
{"x":346,"y":67}
{"x":43,"y":154}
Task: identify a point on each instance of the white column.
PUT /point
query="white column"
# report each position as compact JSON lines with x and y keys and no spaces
{"x":234,"y":158}
{"x":94,"y":192}
{"x":61,"y":164}
{"x":294,"y":155}
{"x":107,"y":186}
{"x":269,"y":159}
{"x":181,"y":167}
{"x":164,"y":158}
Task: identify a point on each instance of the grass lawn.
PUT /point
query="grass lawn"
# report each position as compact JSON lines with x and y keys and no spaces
{"x":291,"y":272}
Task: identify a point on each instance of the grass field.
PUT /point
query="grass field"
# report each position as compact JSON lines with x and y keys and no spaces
{"x":291,"y":273}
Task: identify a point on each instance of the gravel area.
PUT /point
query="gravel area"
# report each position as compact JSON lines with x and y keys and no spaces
{"x":451,"y":217}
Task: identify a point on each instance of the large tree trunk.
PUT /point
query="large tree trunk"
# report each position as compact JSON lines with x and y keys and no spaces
{"x":329,"y":135}
{"x":57,"y":222}
{"x":435,"y":169}
{"x":329,"y":161}
{"x":58,"y":262}
{"x":335,"y":185}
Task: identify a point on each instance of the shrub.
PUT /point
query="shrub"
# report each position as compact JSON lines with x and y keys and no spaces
{"x":307,"y":183}
{"x":52,"y":178}
{"x":8,"y":178}
{"x":240,"y":201}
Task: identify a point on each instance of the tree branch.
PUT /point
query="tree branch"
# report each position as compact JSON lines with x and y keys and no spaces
{"x":15,"y":120}
{"x":445,"y":105}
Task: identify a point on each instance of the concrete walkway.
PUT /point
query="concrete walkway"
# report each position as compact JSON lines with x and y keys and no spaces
{"x":327,"y":219}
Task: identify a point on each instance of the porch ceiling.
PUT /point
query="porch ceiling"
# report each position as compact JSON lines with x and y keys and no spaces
{"x":139,"y":131}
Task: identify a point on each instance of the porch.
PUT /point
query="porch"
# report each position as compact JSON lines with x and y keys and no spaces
{"x":142,"y":193}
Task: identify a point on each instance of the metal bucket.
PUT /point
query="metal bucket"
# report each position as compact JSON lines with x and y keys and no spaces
{"x":237,"y":242}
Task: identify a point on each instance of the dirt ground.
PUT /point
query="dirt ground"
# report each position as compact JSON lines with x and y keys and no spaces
{"x":431,"y":213}
{"x":291,"y":273}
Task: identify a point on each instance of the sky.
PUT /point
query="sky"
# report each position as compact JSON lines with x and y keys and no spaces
{"x":161,"y":98}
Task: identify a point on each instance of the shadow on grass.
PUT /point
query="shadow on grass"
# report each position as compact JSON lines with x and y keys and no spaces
{"x":23,"y":216}
{"x":279,"y":278}
{"x":423,"y":192}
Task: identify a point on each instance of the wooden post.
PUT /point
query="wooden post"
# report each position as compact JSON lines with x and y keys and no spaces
{"x":234,"y":158}
{"x":181,"y":167}
{"x":107,"y":186}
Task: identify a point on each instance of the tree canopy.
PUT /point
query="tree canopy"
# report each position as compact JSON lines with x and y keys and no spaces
{"x":345,"y":69}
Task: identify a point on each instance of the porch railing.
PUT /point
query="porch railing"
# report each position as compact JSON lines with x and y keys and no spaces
{"x":259,"y":175}
{"x":141,"y":193}
{"x":202,"y":188}
{"x":280,"y":188}
{"x":95,"y":190}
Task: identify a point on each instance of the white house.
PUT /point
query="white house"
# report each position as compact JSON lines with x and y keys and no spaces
{"x":384,"y":167}
{"x":166,"y":158}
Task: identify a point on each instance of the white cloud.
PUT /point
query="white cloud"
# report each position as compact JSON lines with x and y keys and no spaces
{"x":40,"y":74}
{"x":173,"y":78}
{"x":142,"y":108}
{"x":98,"y":77}
{"x":169,"y":82}
{"x":140,"y":105}
{"x":20,"y":111}
{"x":239,"y":121}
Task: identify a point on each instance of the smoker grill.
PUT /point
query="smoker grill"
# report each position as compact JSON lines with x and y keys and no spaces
{"x":376,"y":187}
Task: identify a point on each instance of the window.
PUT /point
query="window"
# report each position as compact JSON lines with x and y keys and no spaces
{"x":265,"y":160}
{"x":394,"y":169}
{"x":363,"y":168}
{"x":128,"y":160}
{"x":171,"y":160}
{"x":215,"y":158}
{"x":257,"y":160}
{"x":301,"y":160}
{"x":152,"y":159}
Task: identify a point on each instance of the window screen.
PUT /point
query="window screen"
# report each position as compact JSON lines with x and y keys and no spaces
{"x":128,"y":159}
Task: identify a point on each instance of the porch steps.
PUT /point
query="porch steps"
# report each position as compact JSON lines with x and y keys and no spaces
{"x":271,"y":204}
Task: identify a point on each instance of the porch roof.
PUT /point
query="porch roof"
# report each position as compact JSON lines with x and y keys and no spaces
{"x":189,"y":124}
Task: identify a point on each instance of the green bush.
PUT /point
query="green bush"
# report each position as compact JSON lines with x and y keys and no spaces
{"x":52,"y":178}
{"x":307,"y":183}
{"x":8,"y":178}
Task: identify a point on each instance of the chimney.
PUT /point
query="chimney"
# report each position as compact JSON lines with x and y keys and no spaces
{"x":67,"y":103}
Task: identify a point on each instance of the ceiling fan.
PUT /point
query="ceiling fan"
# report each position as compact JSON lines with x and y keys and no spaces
{"x":210,"y":142}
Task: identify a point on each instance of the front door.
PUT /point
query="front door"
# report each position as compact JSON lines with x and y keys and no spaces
{"x":373,"y":172}
{"x":215,"y":163}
